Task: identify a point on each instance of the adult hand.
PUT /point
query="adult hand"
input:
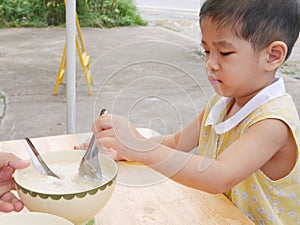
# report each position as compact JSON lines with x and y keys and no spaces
{"x":8,"y":163}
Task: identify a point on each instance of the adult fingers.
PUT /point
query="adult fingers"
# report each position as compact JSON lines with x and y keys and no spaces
{"x":6,"y":206}
{"x":9,"y":202}
{"x":9,"y":159}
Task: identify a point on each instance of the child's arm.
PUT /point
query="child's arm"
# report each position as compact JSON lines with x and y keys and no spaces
{"x":250,"y":153}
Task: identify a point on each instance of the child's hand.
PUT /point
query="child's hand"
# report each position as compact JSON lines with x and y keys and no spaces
{"x":112,"y":153}
{"x":119,"y":137}
{"x":83,"y":146}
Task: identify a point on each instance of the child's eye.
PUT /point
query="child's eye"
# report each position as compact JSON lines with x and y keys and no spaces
{"x":205,"y":51}
{"x":225,"y":53}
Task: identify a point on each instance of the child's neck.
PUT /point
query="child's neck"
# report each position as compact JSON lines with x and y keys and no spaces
{"x":239,"y":102}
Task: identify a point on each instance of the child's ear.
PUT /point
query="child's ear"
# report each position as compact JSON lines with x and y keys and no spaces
{"x":276,"y":53}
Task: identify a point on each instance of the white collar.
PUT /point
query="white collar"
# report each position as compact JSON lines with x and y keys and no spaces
{"x":275,"y":90}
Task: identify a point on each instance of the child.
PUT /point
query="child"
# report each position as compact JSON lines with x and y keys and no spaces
{"x":8,"y":163}
{"x":248,"y":135}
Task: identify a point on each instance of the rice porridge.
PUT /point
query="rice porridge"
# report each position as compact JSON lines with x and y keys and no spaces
{"x":69,"y":182}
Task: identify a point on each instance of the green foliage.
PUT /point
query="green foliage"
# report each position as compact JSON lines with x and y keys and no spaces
{"x":92,"y":13}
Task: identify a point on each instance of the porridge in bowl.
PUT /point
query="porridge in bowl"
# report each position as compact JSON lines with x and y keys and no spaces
{"x":75,"y":198}
{"x":69,"y":182}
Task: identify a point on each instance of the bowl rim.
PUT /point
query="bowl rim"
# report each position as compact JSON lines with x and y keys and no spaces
{"x":70,"y":195}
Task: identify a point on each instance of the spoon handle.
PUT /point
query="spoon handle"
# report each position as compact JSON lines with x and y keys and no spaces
{"x":37,"y":159}
{"x":92,"y":145}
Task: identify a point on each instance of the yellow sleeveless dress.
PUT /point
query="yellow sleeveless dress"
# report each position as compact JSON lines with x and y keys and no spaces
{"x":264,"y":201}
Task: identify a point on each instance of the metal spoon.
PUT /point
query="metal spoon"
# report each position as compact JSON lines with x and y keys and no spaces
{"x":37,"y":160}
{"x":89,"y":165}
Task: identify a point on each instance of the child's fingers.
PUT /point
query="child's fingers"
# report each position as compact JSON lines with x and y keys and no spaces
{"x":83,"y":146}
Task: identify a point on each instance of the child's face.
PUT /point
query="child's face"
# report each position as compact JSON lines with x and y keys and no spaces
{"x":233,"y":68}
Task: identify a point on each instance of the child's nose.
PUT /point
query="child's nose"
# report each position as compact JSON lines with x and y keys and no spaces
{"x":212,"y":63}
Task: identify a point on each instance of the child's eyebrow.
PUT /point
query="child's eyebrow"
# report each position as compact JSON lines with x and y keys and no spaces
{"x":222,"y":43}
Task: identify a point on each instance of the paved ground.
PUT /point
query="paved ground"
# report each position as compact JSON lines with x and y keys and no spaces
{"x":150,"y":74}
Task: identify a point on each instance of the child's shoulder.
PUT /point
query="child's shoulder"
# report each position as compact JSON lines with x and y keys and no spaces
{"x":282,"y":108}
{"x":283,"y":104}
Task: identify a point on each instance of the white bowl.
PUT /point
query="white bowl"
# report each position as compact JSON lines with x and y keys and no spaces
{"x":79,"y":207}
{"x":32,"y":218}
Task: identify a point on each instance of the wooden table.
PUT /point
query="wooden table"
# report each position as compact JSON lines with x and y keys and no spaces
{"x":143,"y":196}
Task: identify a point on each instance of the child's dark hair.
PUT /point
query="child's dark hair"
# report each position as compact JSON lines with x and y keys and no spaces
{"x":260,"y":22}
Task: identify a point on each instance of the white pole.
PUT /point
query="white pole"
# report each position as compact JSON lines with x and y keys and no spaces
{"x":71,"y":65}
